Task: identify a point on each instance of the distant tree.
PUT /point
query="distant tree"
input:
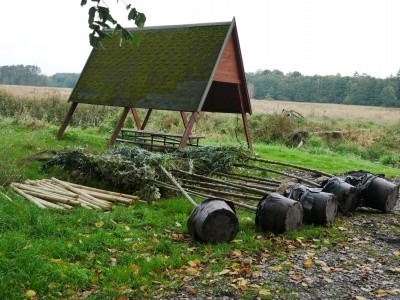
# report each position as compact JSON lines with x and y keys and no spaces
{"x":100,"y":18}
{"x":388,"y":96}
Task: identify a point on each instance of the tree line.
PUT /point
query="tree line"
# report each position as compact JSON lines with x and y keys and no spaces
{"x":32,"y":76}
{"x":357,"y":89}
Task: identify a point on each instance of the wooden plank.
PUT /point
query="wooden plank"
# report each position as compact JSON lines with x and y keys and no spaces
{"x":118,"y":127}
{"x":228,"y":70}
{"x":67,"y":120}
{"x":159,"y":133}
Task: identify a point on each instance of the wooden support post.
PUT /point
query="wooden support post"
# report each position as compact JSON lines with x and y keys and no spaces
{"x":118,"y":127}
{"x":185,"y":123}
{"x":146,"y":119}
{"x":136,"y":117}
{"x":188,"y":129}
{"x":245,"y":122}
{"x":66,"y":120}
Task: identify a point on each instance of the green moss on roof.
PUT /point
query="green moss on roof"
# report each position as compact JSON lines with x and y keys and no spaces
{"x":167,"y":68}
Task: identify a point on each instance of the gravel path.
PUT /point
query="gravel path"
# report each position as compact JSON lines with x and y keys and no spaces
{"x":362,"y":264}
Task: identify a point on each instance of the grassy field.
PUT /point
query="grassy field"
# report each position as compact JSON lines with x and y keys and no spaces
{"x":144,"y":250}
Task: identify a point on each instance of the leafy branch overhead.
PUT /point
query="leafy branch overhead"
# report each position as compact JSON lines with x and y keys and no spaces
{"x":100,"y":19}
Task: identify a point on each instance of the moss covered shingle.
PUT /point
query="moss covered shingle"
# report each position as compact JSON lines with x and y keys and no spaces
{"x":166,"y":68}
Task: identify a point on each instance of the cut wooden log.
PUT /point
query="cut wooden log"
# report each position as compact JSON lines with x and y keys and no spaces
{"x":319,"y":208}
{"x":26,"y":196}
{"x":46,"y":196}
{"x":88,"y":188}
{"x":278,"y":214}
{"x":346,"y":194}
{"x":48,"y":203}
{"x":110,"y":198}
{"x":213,"y":221}
{"x":87,"y":197}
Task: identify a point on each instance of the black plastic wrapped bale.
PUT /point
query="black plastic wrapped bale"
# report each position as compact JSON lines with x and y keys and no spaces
{"x":375,"y":192}
{"x":346,"y":194}
{"x":278,"y":214}
{"x":213,"y":221}
{"x":319,"y":208}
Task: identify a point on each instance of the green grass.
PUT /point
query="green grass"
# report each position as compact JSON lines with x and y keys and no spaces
{"x":137,"y":251}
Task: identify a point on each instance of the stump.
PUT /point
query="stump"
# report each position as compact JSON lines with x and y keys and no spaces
{"x":213,"y":221}
{"x":278,"y":214}
{"x":346,"y":194}
{"x":375,"y":191}
{"x":319,"y":208}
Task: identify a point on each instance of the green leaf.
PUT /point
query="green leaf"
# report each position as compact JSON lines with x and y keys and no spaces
{"x":95,"y":41}
{"x":117,"y":27}
{"x":98,"y":1}
{"x":140,"y":20}
{"x":104,"y":12}
{"x":92,"y":14}
{"x":102,"y":24}
{"x":132,"y":14}
{"x":111,"y":19}
{"x":83,"y":2}
{"x":126,"y":34}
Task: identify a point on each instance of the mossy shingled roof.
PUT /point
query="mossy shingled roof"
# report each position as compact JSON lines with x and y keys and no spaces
{"x":166,"y":68}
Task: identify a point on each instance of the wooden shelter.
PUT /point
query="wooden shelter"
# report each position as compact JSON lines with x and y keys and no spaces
{"x":184,"y":68}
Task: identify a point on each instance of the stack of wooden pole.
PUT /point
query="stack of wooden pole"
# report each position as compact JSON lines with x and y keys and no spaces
{"x":54,"y":193}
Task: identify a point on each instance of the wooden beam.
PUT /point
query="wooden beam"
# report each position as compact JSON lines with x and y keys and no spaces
{"x":136,"y":117}
{"x":146,"y":119}
{"x":118,"y":127}
{"x":185,"y":123}
{"x":184,"y":118}
{"x":245,"y":122}
{"x":188,"y":129}
{"x":67,"y":120}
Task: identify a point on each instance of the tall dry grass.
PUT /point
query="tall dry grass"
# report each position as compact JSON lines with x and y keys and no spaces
{"x":337,"y":111}
{"x":370,"y":132}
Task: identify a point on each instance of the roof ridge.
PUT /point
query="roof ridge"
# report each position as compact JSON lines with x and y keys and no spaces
{"x":172,"y":26}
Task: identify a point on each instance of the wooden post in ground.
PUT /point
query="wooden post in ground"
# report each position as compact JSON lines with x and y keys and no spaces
{"x":245,"y":122}
{"x":66,"y":120}
{"x":188,"y":129}
{"x":118,"y":127}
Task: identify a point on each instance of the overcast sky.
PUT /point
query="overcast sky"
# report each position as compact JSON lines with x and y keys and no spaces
{"x":323,"y":37}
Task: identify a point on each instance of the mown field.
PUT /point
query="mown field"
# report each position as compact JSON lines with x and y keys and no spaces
{"x":144,"y":250}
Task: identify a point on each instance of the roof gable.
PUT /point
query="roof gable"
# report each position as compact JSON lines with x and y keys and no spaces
{"x":167,"y":68}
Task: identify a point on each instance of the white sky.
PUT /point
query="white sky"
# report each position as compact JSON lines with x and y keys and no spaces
{"x":321,"y":37}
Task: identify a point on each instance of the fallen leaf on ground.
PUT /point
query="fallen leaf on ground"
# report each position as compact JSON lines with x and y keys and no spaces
{"x":264,"y":292}
{"x":30,"y":293}
{"x":307,"y":264}
{"x":275,"y":268}
{"x":99,"y":224}
{"x":223,"y":272}
{"x":360,"y":298}
{"x":194,"y":263}
{"x":393,"y":270}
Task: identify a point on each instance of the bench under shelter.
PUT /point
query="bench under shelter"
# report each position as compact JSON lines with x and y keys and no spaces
{"x":184,"y":68}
